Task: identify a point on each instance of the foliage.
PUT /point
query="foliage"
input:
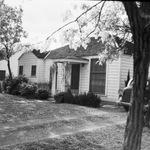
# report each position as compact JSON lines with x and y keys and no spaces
{"x":28,"y":90}
{"x":20,"y":86}
{"x":69,"y":97}
{"x":59,"y":97}
{"x":88,"y":99}
{"x":85,"y":99}
{"x":11,"y":27}
{"x":107,"y":20}
{"x":42,"y":94}
{"x":14,"y":85}
{"x":53,"y":69}
{"x":11,"y":31}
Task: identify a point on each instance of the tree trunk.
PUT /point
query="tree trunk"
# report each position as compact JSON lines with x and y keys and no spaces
{"x":141,"y":38}
{"x":9,"y":70}
{"x":133,"y":131}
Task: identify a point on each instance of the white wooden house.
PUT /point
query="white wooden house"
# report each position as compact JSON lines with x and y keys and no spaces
{"x":34,"y":66}
{"x":85,"y":75}
{"x":78,"y":70}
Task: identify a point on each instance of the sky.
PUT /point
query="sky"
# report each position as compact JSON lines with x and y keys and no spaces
{"x":42,"y":17}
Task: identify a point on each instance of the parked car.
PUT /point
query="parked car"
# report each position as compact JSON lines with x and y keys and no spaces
{"x":125,"y":95}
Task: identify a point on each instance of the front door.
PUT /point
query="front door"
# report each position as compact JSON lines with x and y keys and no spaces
{"x":75,"y":74}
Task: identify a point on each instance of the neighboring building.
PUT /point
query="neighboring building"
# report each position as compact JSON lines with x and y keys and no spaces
{"x":83,"y":74}
{"x":13,"y":64}
{"x":34,"y":66}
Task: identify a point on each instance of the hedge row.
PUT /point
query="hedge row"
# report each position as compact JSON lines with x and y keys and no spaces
{"x":86,"y":99}
{"x":20,"y":85}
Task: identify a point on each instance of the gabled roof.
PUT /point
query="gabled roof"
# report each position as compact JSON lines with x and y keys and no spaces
{"x":94,"y":48}
{"x":38,"y":54}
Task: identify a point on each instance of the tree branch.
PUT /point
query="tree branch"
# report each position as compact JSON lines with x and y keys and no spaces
{"x":100,"y":12}
{"x":74,"y":20}
{"x":87,"y":10}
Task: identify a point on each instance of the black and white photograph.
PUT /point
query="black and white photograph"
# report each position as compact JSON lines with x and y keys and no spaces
{"x":74,"y":75}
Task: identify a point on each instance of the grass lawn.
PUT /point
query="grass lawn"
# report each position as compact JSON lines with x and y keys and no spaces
{"x":36,"y":125}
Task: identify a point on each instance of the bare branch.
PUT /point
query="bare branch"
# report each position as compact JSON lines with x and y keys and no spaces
{"x":88,"y":10}
{"x":61,"y":28}
{"x":100,"y":12}
{"x":99,"y":15}
{"x":74,"y":20}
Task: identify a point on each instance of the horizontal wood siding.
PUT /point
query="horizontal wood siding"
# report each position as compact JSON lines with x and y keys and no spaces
{"x":112,"y":80}
{"x":3,"y":66}
{"x":84,"y":78}
{"x":13,"y":64}
{"x":126,"y":64}
{"x":27,"y":60}
{"x":48,"y":64}
{"x":40,"y":71}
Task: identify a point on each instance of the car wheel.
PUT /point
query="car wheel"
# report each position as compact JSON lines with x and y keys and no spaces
{"x":126,"y":108}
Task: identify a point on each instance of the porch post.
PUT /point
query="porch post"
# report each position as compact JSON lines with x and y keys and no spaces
{"x":67,"y":75}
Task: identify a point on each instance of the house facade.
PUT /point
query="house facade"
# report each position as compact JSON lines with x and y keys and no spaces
{"x":87,"y":76}
{"x":13,"y":64}
{"x":79,"y":71}
{"x":34,"y":66}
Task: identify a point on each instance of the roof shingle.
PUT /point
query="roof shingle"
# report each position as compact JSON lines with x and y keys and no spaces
{"x":94,"y":48}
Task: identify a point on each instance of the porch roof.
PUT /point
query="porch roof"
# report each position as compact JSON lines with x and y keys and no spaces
{"x":71,"y":59}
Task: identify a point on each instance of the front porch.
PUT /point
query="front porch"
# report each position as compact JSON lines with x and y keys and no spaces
{"x":67,"y":74}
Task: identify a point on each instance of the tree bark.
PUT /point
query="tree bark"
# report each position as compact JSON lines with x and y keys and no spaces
{"x":9,"y":69}
{"x":8,"y":62}
{"x":141,"y":38}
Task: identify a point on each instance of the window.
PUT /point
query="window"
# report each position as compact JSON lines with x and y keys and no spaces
{"x":20,"y":70}
{"x":98,"y":77}
{"x":33,"y":70}
{"x":2,"y":75}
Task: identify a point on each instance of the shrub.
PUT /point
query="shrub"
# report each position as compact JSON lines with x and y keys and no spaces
{"x":28,"y":90}
{"x":94,"y":100}
{"x":59,"y":97}
{"x":6,"y":83}
{"x":14,"y":86}
{"x":69,"y":97}
{"x":85,"y":99}
{"x":82,"y":99}
{"x":42,"y":94}
{"x":88,"y":99}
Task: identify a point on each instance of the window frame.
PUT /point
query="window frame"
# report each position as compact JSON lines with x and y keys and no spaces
{"x":33,"y":72}
{"x":19,"y":70}
{"x":97,"y":72}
